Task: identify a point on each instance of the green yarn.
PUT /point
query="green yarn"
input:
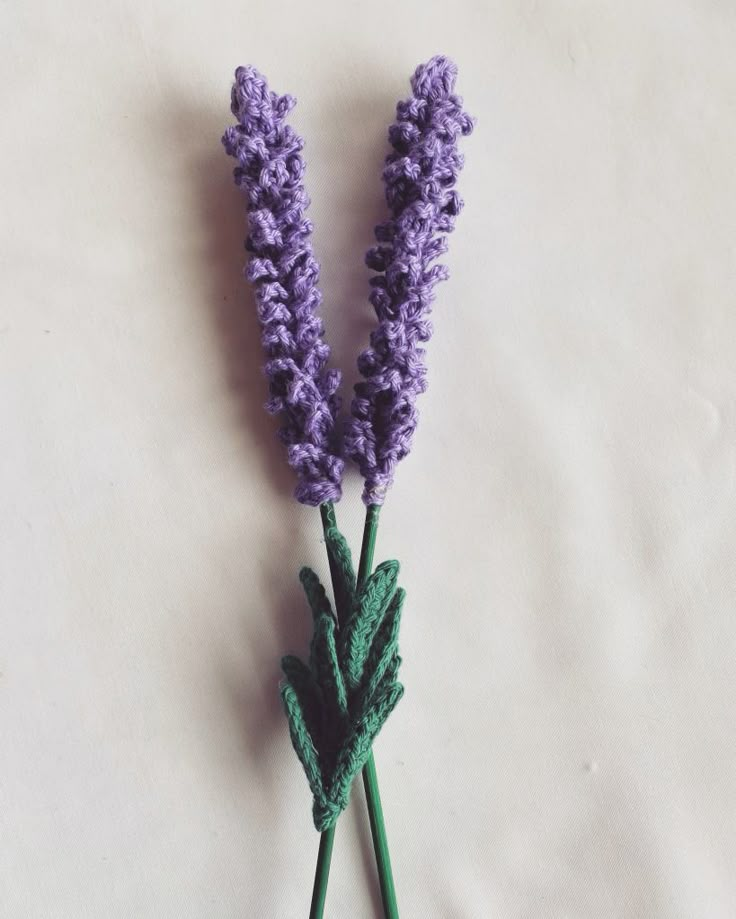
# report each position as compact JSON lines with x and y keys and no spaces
{"x":316,"y":595}
{"x":308,"y":695}
{"x":353,"y":755}
{"x":301,"y":739}
{"x":341,"y":562}
{"x":383,"y":661}
{"x":368,"y":610}
{"x":337,"y":704}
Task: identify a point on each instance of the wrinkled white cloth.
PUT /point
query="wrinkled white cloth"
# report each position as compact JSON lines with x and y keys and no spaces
{"x":565,"y":748}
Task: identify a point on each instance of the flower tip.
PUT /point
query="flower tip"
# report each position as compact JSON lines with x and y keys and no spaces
{"x":251,"y":98}
{"x":250,"y":83}
{"x":248,"y":72}
{"x":434,"y":79}
{"x":249,"y":93}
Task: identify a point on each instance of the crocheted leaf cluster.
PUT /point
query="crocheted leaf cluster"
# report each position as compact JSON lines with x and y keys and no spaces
{"x":419,"y":175}
{"x":285,"y":275}
{"x":338,"y":702}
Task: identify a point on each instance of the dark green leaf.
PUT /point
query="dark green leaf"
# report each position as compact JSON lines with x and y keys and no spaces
{"x":356,"y":750}
{"x":341,"y":566}
{"x":316,"y":596}
{"x":369,"y":608}
{"x":308,"y":694}
{"x":301,"y":740}
{"x":384,"y":650}
{"x":326,"y":669}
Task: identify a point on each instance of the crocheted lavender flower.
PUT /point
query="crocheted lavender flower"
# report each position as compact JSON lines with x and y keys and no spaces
{"x":420,"y":175}
{"x":285,"y":275}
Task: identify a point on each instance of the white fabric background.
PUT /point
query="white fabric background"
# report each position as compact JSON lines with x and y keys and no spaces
{"x":565,"y":748}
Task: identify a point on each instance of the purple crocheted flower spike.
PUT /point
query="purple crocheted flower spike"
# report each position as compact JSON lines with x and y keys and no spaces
{"x":285,"y":274}
{"x":420,"y":175}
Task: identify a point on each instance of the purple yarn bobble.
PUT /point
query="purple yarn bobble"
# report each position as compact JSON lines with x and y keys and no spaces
{"x":419,"y":175}
{"x":285,"y":274}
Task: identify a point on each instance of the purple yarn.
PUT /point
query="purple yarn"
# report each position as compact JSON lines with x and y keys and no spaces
{"x":285,"y":274}
{"x":420,"y":175}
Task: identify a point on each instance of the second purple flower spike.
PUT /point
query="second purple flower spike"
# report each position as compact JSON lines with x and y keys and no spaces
{"x":420,"y":175}
{"x":285,"y":274}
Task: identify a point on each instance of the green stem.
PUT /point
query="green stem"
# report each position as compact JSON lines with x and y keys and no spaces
{"x":370,"y":779}
{"x":327,"y":839}
{"x":322,"y":873}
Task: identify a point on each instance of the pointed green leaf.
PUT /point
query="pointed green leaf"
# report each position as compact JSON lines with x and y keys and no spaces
{"x":369,"y":608}
{"x":307,"y":692}
{"x":341,"y":566}
{"x":383,"y":659}
{"x":301,"y":740}
{"x":326,"y":668}
{"x":355,"y":752}
{"x":316,"y":596}
{"x":392,"y":671}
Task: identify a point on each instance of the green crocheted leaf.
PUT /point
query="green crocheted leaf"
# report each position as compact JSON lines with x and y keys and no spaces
{"x":316,"y":595}
{"x":342,"y":568}
{"x":326,"y":670}
{"x":369,"y":608}
{"x":383,"y":658}
{"x":355,"y":752}
{"x":301,"y":739}
{"x":392,"y":671}
{"x":307,"y":692}
{"x":337,"y":704}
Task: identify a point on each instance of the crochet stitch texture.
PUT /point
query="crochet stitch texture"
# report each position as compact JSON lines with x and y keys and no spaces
{"x":285,"y":275}
{"x":338,"y":701}
{"x":419,"y":174}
